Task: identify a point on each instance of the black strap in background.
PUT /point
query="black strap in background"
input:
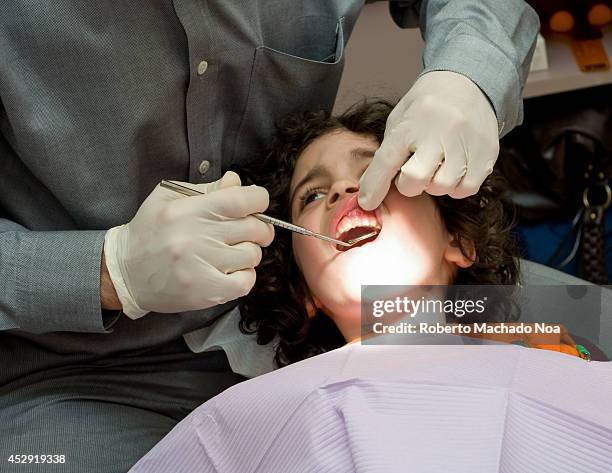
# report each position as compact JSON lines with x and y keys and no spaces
{"x":596,"y":199}
{"x":593,"y":261}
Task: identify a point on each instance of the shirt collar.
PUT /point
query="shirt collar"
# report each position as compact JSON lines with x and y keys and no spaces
{"x":245,"y":355}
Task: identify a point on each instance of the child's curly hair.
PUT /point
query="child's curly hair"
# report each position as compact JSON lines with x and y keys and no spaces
{"x":276,"y":306}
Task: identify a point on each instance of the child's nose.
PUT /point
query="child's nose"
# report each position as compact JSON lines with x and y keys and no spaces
{"x":340,"y":189}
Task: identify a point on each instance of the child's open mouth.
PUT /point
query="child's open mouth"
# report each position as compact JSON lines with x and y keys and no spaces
{"x":352,"y":222}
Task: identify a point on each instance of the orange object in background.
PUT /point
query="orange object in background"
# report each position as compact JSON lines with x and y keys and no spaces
{"x":600,"y":15}
{"x":561,"y":21}
{"x":590,"y":55}
{"x":561,"y":342}
{"x":582,"y":20}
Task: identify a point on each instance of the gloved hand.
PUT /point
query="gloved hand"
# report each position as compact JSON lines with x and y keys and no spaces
{"x":448,"y":125}
{"x":186,"y":253}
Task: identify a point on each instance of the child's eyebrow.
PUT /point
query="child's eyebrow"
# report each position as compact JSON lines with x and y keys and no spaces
{"x":362,"y":153}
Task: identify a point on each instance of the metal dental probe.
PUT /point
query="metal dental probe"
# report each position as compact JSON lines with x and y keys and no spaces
{"x":274,"y":221}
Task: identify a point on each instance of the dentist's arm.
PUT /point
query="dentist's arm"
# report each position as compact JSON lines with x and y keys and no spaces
{"x":109,"y":299}
{"x":177,"y":254}
{"x":476,"y":60}
{"x":49,"y":280}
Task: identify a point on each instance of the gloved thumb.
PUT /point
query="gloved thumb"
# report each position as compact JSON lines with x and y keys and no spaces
{"x":229,"y":179}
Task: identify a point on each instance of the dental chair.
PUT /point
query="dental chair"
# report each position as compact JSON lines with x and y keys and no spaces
{"x":586,"y":312}
{"x":537,"y":274}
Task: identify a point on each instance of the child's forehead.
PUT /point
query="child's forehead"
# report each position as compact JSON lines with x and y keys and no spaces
{"x":331,"y":146}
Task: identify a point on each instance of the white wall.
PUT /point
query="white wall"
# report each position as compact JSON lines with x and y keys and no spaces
{"x":382,"y":59}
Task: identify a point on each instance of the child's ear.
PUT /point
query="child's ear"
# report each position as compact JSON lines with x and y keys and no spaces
{"x":454,"y":253}
{"x":312,"y":305}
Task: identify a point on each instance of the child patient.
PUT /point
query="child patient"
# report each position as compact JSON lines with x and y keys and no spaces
{"x":307,"y":293}
{"x":368,"y":408}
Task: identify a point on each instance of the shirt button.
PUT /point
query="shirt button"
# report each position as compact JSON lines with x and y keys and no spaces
{"x":203,"y":167}
{"x":202,"y":67}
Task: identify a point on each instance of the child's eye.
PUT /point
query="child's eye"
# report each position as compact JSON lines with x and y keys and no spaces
{"x":309,"y":196}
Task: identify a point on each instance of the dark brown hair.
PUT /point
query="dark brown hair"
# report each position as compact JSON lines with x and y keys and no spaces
{"x":276,"y":307}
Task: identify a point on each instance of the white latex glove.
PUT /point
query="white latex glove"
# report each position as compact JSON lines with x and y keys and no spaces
{"x":187,"y":253}
{"x":441,"y":138}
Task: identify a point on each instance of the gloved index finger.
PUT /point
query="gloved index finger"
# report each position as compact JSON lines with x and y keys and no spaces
{"x":387,"y":161}
{"x":238,"y":202}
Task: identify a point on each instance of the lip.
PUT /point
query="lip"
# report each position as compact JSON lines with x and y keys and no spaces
{"x":349,"y":204}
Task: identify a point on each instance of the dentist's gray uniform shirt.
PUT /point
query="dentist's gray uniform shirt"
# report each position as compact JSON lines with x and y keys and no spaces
{"x":101,"y":100}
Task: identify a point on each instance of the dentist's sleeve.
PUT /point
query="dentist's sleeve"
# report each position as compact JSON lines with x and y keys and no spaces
{"x":489,"y":41}
{"x":50,"y":281}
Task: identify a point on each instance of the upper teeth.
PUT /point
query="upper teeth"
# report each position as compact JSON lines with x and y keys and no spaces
{"x":348,"y":223}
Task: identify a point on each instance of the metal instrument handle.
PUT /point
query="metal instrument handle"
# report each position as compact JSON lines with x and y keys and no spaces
{"x":266,"y":218}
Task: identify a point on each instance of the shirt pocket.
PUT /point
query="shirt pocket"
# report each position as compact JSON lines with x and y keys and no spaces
{"x":299,"y":77}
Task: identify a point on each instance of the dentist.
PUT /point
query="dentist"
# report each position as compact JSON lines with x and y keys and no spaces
{"x":117,"y":312}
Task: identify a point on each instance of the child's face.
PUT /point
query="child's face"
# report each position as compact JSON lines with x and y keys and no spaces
{"x":412,"y":248}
